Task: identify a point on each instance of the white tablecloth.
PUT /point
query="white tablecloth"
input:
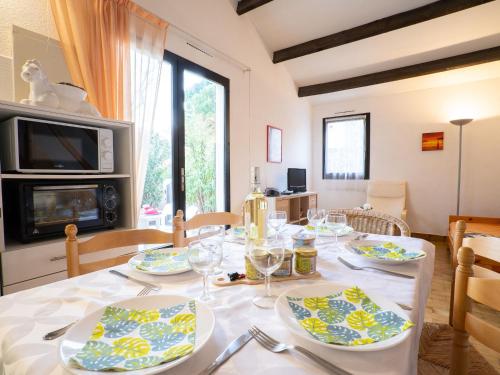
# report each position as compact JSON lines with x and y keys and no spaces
{"x":26,"y":316}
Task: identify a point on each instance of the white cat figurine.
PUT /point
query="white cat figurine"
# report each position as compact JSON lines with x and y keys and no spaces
{"x":55,"y":95}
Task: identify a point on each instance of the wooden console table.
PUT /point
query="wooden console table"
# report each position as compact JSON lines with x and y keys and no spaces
{"x":295,"y":205}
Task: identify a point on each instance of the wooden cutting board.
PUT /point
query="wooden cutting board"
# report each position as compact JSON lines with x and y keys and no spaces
{"x":224,"y":280}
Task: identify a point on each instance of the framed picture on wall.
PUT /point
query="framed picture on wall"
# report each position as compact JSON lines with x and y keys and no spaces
{"x":432,"y":141}
{"x":274,"y":144}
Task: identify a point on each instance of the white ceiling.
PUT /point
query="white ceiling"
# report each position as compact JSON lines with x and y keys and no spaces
{"x":284,"y":23}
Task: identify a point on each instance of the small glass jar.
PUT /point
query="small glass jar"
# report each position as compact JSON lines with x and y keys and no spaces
{"x":251,"y":272}
{"x":286,"y":267}
{"x":305,"y":260}
{"x":303,"y":241}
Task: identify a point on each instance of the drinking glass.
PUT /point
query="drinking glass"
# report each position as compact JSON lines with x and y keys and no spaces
{"x":204,"y":260}
{"x":276,"y":220}
{"x":208,"y":234}
{"x":266,"y":256}
{"x":316,"y":216}
{"x":337,"y":223}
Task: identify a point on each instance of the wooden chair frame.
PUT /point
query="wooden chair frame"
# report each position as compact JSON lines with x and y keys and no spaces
{"x":483,"y":289}
{"x":106,"y":241}
{"x":212,"y":218}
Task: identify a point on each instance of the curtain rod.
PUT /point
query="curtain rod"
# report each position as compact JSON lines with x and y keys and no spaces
{"x":200,"y":45}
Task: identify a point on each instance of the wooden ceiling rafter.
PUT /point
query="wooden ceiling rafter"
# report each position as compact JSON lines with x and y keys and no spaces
{"x":430,"y":67}
{"x":245,"y":6}
{"x":397,"y":21}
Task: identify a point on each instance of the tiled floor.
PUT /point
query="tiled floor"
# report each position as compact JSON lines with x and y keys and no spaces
{"x":438,"y":304}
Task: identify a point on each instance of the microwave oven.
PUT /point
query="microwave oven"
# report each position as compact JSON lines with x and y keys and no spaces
{"x":41,"y":146}
{"x":42,"y":208}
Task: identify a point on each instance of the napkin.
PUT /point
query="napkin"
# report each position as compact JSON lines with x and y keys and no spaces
{"x":388,"y":250}
{"x":347,"y":318}
{"x":159,"y":261}
{"x":127,"y":339}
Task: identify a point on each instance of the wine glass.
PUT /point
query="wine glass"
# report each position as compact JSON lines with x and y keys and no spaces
{"x":204,"y":260}
{"x":266,"y":256}
{"x":276,"y":220}
{"x":208,"y":234}
{"x":316,"y":216}
{"x":336,"y":223}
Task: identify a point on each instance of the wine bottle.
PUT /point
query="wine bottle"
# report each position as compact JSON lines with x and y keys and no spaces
{"x":255,"y":208}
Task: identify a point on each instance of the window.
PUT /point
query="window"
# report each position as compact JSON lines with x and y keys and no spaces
{"x":188,"y":161}
{"x":346,"y":147}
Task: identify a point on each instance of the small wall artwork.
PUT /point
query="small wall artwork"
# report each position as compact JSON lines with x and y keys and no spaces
{"x":432,"y":141}
{"x":274,"y":144}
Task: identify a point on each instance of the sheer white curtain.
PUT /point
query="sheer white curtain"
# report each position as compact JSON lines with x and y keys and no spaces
{"x":345,"y":148}
{"x":147,"y":45}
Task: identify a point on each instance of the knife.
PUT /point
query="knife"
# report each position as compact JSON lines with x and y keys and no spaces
{"x":153,"y":287}
{"x":232,"y":348}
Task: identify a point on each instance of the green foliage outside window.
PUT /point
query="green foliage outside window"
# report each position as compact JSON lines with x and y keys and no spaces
{"x":200,"y":146}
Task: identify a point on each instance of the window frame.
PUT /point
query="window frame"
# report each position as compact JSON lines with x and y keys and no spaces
{"x":329,"y":176}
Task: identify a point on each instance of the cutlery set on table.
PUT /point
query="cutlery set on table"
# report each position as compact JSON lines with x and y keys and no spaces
{"x":151,"y":334}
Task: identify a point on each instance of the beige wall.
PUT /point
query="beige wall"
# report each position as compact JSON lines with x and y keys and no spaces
{"x":33,"y":15}
{"x":397,"y":124}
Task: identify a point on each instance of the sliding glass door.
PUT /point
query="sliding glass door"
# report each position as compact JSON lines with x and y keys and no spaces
{"x":188,"y":165}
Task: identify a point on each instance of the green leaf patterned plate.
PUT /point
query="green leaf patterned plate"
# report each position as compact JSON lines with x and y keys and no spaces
{"x":144,"y":335}
{"x":161,"y":261}
{"x":384,"y":252}
{"x":343,"y":317}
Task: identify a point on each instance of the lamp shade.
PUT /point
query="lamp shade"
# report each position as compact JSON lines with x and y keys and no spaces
{"x":461,"y":121}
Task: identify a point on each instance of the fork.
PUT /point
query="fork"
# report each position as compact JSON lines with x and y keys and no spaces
{"x":358,"y":268}
{"x":61,"y":331}
{"x":277,"y":347}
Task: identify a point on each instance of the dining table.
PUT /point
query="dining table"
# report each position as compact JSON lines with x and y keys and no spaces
{"x":26,"y":316}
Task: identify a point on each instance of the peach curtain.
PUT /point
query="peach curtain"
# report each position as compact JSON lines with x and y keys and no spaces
{"x":114,"y":49}
{"x":95,"y":39}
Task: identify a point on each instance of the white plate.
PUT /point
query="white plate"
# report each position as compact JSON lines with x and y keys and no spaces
{"x":136,"y":260}
{"x":325,"y":232}
{"x":77,"y":336}
{"x":286,"y":315}
{"x":350,"y":244}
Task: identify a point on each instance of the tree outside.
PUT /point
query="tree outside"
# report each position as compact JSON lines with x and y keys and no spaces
{"x":200,"y":148}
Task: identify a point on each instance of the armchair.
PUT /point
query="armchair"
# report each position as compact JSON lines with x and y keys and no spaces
{"x":388,"y":197}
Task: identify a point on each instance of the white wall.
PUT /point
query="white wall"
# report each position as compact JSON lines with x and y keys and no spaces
{"x":397,"y":124}
{"x":264,"y":96}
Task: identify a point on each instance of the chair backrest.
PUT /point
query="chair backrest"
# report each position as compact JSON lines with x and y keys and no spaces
{"x":483,"y":289}
{"x":199,"y":220}
{"x":458,"y":238}
{"x":374,"y":222}
{"x":388,"y":197}
{"x":106,"y":241}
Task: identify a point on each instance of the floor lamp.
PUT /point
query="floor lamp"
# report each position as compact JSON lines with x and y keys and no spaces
{"x":460,"y":122}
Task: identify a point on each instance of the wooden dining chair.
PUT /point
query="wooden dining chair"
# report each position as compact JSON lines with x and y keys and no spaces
{"x":107,"y":241}
{"x":472,"y":283}
{"x":369,"y":221}
{"x":486,"y":254}
{"x":199,"y":220}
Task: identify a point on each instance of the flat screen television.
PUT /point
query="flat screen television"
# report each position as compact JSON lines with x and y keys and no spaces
{"x":296,"y":180}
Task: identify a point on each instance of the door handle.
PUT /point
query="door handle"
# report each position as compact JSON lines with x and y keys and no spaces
{"x":182,"y":179}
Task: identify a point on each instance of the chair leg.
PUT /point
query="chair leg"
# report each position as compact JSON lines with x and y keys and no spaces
{"x":460,"y":353}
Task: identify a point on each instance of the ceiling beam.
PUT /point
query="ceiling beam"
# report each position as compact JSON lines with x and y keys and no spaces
{"x":380,"y":26}
{"x":410,"y":71}
{"x":248,"y":5}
